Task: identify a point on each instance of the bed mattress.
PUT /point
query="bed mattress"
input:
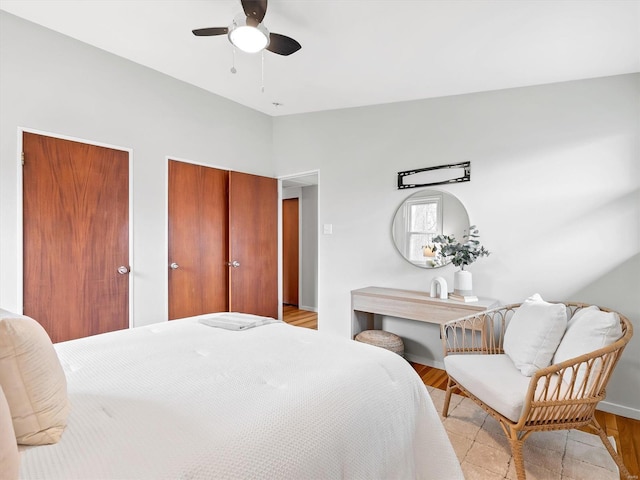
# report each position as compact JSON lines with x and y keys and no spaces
{"x":185,"y":400}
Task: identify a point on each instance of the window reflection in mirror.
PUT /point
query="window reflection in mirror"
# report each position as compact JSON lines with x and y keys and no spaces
{"x":424,"y":221}
{"x":421,"y":217}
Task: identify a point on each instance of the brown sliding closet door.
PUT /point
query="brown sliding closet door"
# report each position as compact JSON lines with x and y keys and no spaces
{"x":222,"y":242}
{"x":198,"y":217}
{"x":76,"y":236}
{"x":253,"y":243}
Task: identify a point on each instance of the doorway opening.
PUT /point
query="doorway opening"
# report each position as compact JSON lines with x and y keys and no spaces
{"x":299,"y":248}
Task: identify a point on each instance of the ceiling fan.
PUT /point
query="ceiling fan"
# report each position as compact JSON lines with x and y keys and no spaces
{"x":248,"y":33}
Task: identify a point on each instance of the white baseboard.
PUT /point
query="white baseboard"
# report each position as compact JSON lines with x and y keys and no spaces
{"x":308,"y":309}
{"x":619,"y":410}
{"x":429,"y":362}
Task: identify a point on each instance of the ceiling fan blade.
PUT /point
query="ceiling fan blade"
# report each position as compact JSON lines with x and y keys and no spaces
{"x":254,"y":9}
{"x":282,"y":45}
{"x":208,"y":32}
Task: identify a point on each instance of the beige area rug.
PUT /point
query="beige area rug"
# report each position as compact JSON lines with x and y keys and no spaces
{"x":483,"y":450}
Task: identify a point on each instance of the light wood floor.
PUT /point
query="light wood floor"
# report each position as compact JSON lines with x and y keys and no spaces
{"x":300,"y":318}
{"x":626,"y":431}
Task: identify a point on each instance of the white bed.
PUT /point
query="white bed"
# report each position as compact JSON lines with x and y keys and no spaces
{"x":185,"y":400}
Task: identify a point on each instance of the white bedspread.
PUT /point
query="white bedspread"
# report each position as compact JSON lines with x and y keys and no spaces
{"x":181,"y":400}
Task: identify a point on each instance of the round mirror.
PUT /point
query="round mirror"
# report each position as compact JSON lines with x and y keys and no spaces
{"x":422,"y":216}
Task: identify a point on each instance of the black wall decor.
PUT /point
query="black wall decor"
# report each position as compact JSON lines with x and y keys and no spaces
{"x":404,"y":182}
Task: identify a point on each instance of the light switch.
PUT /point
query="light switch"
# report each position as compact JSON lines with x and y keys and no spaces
{"x":328,"y":229}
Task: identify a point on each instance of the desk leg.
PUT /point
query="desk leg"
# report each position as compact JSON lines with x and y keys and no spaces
{"x":361,"y":321}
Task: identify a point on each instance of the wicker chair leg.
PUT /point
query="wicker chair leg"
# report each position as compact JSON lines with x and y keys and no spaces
{"x":516,"y":451}
{"x":624,"y":473}
{"x":447,"y":397}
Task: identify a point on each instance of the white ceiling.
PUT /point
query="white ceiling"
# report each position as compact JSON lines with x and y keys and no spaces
{"x":360,"y":52}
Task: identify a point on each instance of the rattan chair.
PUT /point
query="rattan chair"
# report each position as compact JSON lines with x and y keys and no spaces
{"x":549,"y":404}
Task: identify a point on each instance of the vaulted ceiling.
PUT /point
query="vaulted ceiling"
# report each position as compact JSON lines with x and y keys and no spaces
{"x":357,"y":52}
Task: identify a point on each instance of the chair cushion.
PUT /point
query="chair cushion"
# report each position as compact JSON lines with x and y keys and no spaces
{"x":33,"y":380}
{"x":494,"y":379}
{"x":534,"y":333}
{"x":9,"y":456}
{"x":588,"y":330}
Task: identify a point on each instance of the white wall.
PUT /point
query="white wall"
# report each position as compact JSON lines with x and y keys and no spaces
{"x":55,"y":84}
{"x":309,"y":242}
{"x":555,"y":192}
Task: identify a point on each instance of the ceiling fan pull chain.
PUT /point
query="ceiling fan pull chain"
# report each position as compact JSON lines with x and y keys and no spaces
{"x":233,"y":64}
{"x":262,"y":53}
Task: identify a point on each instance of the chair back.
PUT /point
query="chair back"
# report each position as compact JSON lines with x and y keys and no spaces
{"x":568,"y":392}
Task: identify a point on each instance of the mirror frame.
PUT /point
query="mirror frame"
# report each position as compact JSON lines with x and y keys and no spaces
{"x":451,"y":218}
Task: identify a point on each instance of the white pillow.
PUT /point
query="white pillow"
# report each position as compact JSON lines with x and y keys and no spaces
{"x":534,"y":333}
{"x":9,"y":456}
{"x":33,"y":380}
{"x":589,"y":329}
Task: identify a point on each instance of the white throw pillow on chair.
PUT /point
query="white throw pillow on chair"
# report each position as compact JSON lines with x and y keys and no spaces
{"x":588,"y":330}
{"x":534,"y":333}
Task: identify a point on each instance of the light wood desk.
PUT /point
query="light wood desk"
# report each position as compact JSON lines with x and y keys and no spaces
{"x":420,"y":306}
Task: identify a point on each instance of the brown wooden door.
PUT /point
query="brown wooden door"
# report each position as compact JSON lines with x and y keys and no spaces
{"x":198,"y":218}
{"x":290,"y":251}
{"x":253,"y":243}
{"x":76,"y":236}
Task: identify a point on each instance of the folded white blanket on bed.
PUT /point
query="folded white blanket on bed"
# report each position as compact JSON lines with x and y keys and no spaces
{"x":236,"y":321}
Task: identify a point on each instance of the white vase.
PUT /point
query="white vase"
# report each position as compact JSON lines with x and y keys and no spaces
{"x":463,"y":282}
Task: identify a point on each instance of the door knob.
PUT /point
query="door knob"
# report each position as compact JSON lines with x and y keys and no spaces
{"x":234,"y":264}
{"x":123,"y":270}
{"x":174,"y":265}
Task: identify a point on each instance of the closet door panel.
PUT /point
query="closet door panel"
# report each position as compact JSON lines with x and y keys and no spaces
{"x":253,"y":244}
{"x":198,"y":216}
{"x":76,"y":236}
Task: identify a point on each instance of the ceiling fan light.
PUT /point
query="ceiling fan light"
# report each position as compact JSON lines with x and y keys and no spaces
{"x":247,"y":38}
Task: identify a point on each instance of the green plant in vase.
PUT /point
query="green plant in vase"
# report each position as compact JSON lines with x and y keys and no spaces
{"x":461,"y":254}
